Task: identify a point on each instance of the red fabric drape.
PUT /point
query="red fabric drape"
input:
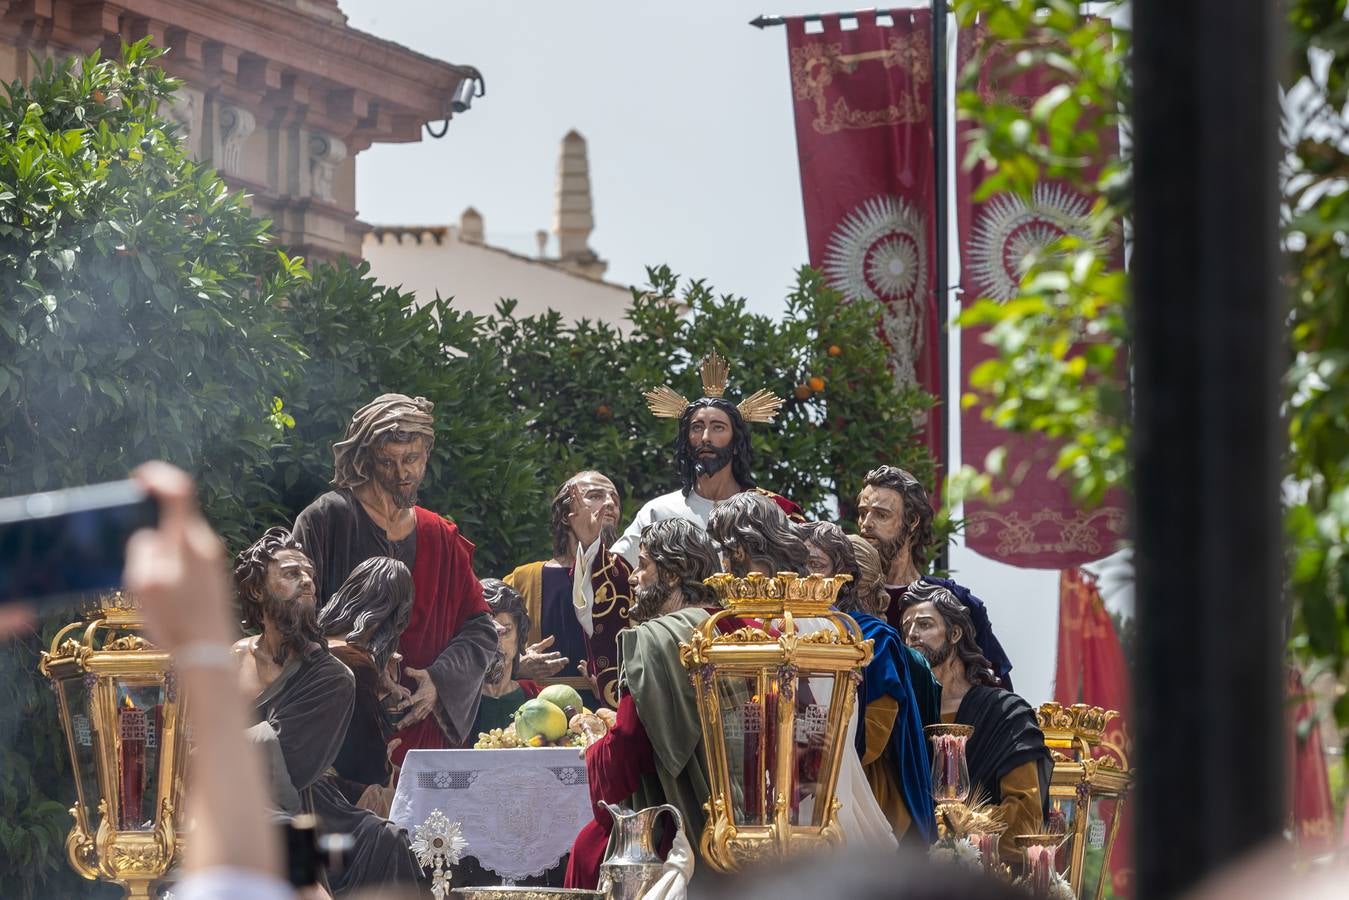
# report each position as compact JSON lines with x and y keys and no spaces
{"x":446,"y":594}
{"x":1313,"y":812}
{"x":615,"y":765}
{"x":1040,"y":526}
{"x":862,"y":101}
{"x":1091,"y":669}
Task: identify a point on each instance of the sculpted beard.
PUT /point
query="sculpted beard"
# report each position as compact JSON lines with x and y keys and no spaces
{"x":403,"y":498}
{"x":711,"y":465}
{"x":648,"y":602}
{"x":888,"y":550}
{"x":935,"y":656}
{"x":294,"y":619}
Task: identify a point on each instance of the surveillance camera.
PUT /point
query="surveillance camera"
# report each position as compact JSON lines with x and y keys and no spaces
{"x":463,"y":95}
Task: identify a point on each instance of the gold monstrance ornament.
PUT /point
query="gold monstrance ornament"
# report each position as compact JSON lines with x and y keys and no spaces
{"x":774,"y":710}
{"x":667,"y":403}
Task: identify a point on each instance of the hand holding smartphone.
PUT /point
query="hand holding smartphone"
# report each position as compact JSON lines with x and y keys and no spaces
{"x":56,"y":545}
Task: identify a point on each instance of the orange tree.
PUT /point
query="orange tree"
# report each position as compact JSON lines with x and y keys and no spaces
{"x":580,"y":386}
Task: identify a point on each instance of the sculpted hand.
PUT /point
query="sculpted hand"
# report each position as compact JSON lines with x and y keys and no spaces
{"x":537,"y":663}
{"x":594,"y":680}
{"x":396,"y":697}
{"x":423,"y":699}
{"x":585,"y":522}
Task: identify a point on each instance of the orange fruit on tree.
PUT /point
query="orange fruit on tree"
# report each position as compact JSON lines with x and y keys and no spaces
{"x":835,"y":350}
{"x":802,"y":392}
{"x":816,"y":383}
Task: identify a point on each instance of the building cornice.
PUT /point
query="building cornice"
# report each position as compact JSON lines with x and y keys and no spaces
{"x":291,"y":65}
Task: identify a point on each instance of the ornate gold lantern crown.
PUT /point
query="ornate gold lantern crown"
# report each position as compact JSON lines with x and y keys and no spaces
{"x":1079,"y":727}
{"x":667,"y":403}
{"x":760,"y":595}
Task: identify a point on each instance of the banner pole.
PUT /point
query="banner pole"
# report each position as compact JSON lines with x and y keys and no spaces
{"x":941,"y":232}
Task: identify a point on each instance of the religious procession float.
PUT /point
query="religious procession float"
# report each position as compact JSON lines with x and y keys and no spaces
{"x":775,"y":690}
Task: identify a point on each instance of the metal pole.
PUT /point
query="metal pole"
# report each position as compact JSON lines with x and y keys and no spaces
{"x":1208,"y":319}
{"x":941,"y":233}
{"x":763,"y":21}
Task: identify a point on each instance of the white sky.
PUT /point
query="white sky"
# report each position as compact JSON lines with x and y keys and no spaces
{"x":687,"y":112}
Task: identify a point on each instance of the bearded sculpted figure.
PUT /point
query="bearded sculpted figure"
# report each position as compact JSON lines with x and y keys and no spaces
{"x":895,"y":515}
{"x":713,"y":457}
{"x":449,"y":641}
{"x":584,"y":510}
{"x":314,"y":715}
{"x":1008,"y":760}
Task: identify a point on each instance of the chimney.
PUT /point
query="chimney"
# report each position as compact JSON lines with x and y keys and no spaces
{"x":470,"y":226}
{"x":541,"y":238}
{"x":573,"y":217}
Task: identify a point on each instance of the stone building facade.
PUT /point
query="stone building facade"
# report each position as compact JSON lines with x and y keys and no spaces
{"x":280,"y":96}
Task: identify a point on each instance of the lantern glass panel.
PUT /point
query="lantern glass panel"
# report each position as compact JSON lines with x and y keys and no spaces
{"x":139,"y":729}
{"x":746,"y":716}
{"x":812,"y":696}
{"x":1098,"y":832}
{"x":1063,"y":814}
{"x":75,"y":694}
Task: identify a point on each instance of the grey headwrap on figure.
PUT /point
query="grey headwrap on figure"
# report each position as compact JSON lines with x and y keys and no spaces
{"x":396,"y":416}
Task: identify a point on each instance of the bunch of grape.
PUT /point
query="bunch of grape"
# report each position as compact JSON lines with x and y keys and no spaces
{"x":497,"y":739}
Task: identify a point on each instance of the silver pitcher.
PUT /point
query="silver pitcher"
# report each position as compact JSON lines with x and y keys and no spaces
{"x":632,"y":864}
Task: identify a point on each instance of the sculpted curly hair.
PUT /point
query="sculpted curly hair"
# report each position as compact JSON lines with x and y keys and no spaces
{"x":977,"y":667}
{"x":371,"y":608}
{"x":918,"y":510}
{"x":869,"y":590}
{"x":758,"y":527}
{"x":502,"y":598}
{"x":682,"y":550}
{"x":298,"y":624}
{"x":834,"y":544}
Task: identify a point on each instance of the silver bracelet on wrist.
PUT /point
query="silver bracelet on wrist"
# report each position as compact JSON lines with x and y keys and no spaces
{"x":204,"y":655}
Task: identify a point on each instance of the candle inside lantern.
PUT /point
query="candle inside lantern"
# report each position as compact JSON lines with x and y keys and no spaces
{"x":753,"y":772}
{"x":131,"y":763}
{"x":769,"y":762}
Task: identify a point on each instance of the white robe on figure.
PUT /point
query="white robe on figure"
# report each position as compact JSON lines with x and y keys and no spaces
{"x":695,"y":508}
{"x":860,"y":817}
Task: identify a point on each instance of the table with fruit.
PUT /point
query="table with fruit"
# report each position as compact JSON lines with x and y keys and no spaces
{"x":555,"y":718}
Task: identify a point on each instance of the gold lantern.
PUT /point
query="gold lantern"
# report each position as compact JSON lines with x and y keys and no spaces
{"x":774,"y":710}
{"x":122,"y":717}
{"x":1088,"y":789}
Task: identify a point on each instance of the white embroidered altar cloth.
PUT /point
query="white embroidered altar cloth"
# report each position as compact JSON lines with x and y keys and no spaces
{"x":520,"y":809}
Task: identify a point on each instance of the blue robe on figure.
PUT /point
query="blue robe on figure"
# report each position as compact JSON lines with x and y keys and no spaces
{"x":897,"y":764}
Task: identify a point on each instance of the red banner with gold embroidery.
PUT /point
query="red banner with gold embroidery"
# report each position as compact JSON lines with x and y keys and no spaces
{"x":862,"y":100}
{"x":1313,"y":811}
{"x":1091,"y":669}
{"x":1040,"y":527}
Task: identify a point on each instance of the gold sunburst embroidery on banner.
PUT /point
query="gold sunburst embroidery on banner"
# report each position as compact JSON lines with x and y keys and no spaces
{"x":1082,"y":532}
{"x":815,"y":66}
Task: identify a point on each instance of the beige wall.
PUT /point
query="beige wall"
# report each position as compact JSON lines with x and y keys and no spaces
{"x":478,"y":276}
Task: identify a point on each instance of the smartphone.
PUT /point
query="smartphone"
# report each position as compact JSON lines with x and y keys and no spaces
{"x":303,"y":862}
{"x":57,"y":545}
